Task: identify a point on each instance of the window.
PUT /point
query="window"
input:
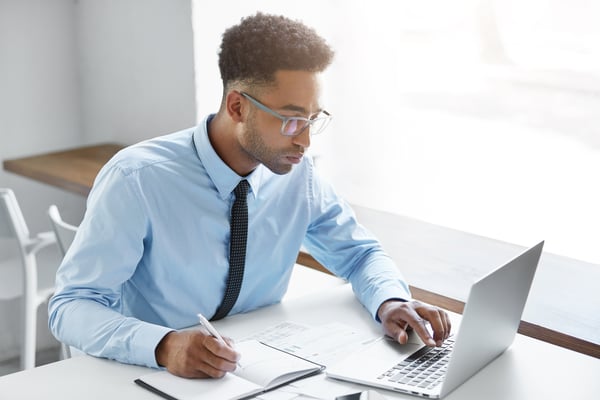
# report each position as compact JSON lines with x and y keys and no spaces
{"x":477,"y":115}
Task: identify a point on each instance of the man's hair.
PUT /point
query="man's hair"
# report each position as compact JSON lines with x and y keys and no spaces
{"x":252,"y":51}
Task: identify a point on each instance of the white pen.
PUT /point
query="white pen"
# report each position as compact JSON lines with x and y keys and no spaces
{"x":213,"y":331}
{"x":210,"y":328}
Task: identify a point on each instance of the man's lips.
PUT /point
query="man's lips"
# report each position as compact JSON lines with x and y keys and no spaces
{"x":295,"y":158}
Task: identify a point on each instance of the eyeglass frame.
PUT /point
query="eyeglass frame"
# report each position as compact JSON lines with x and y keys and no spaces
{"x":284,"y":120}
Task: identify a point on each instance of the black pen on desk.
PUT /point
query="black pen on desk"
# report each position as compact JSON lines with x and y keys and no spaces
{"x":212,"y":330}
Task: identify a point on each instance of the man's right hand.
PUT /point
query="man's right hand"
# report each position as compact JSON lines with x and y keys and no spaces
{"x":196,"y":354}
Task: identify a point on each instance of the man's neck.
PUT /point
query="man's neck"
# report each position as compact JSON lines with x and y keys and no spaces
{"x":222,"y":137}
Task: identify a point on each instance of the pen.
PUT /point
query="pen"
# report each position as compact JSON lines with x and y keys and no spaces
{"x":210,"y":328}
{"x":213,"y":331}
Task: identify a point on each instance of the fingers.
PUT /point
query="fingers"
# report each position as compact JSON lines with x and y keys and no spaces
{"x":220,"y":357}
{"x":396,"y":330}
{"x":419,"y":324}
{"x":397,"y":317}
{"x":402,"y":334}
{"x":439,"y":321}
{"x":447,"y":325}
{"x":194,"y":354}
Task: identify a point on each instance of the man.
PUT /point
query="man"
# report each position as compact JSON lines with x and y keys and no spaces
{"x":153,"y":249}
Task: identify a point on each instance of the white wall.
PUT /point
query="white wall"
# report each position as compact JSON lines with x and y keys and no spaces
{"x":75,"y":72}
{"x":137,"y":68}
{"x":39,"y":94}
{"x":39,"y":112}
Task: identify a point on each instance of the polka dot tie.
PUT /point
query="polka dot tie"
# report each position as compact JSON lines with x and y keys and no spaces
{"x":237,"y":249}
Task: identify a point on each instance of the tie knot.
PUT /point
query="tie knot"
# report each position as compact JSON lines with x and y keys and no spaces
{"x":241,"y":190}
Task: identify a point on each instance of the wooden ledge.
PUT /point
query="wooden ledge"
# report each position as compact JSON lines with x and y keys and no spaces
{"x":73,"y":170}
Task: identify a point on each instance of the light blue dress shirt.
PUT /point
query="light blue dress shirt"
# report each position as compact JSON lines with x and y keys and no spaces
{"x":152,"y":249}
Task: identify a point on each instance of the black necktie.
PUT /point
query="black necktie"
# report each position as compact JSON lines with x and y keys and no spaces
{"x":237,"y":249}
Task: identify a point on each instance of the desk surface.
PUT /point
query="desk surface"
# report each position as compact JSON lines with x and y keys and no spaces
{"x":520,"y":373}
{"x":440,"y":263}
{"x":73,"y":170}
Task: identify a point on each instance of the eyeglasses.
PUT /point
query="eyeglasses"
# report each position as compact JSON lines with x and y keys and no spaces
{"x":293,"y":126}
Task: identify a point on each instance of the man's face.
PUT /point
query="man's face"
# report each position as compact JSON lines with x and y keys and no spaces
{"x":296,"y":94}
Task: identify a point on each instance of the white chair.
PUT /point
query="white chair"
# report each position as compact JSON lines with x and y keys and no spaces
{"x":15,"y":280}
{"x":65,"y":233}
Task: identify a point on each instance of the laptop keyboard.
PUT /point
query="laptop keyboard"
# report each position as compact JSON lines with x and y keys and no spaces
{"x":425,"y":368}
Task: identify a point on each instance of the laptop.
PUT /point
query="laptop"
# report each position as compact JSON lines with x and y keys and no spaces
{"x":487,"y":328}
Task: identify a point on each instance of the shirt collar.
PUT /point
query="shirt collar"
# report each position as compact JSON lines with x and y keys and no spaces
{"x":224,"y":178}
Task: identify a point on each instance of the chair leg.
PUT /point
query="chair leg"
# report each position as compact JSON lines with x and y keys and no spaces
{"x":65,"y":351}
{"x":29,"y":335}
{"x":30,"y":305}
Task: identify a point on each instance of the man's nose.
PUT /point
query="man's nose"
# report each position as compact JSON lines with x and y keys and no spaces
{"x":303,"y":139}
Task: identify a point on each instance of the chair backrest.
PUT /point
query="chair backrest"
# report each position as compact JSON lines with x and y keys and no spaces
{"x":12,"y":222}
{"x":65,"y":232}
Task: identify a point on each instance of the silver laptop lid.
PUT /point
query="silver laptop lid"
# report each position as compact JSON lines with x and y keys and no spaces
{"x":491,"y":317}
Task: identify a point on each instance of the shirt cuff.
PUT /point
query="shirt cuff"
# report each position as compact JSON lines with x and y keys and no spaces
{"x":399,"y":294}
{"x":145,"y":341}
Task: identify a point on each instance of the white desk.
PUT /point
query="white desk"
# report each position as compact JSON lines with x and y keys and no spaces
{"x":530,"y":369}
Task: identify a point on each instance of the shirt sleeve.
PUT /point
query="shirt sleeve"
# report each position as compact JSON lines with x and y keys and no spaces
{"x":85,"y":311}
{"x":349,"y":250}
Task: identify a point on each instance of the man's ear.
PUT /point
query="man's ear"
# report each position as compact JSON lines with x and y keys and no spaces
{"x":234,"y":105}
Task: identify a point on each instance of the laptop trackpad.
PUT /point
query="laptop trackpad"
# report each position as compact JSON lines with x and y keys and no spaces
{"x":384,"y":351}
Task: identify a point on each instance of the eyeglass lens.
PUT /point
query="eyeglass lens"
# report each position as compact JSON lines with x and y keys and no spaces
{"x":295,"y":127}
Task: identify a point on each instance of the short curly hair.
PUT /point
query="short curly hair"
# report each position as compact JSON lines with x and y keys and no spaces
{"x":252,"y":51}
